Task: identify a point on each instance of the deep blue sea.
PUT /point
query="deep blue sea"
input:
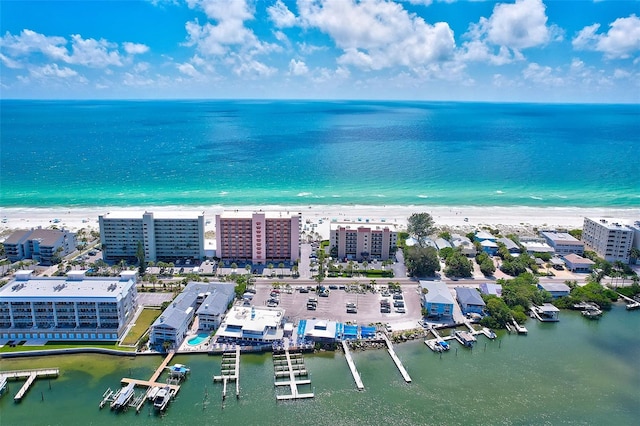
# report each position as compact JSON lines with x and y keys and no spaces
{"x":133,"y":153}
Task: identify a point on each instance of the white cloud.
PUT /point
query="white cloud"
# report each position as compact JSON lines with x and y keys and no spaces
{"x":297,"y":67}
{"x":9,"y":63}
{"x":621,"y":41}
{"x":52,"y":70}
{"x":377,"y":34}
{"x":188,"y":69}
{"x":511,"y":28}
{"x":87,"y":52}
{"x":542,"y":75}
{"x":135,"y":48}
{"x":618,"y":73}
{"x":281,"y":16}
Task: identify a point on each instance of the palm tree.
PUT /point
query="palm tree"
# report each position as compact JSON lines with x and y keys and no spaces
{"x":294,"y":270}
{"x":634,"y":254}
{"x":364,"y":265}
{"x":281,"y":266}
{"x":220,"y":266}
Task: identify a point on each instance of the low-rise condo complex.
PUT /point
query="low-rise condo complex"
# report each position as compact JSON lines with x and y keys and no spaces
{"x":71,"y":308}
{"x":42,"y":245}
{"x":358,"y":241}
{"x":563,"y":243}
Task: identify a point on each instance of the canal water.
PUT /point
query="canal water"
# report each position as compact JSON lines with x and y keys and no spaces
{"x":572,"y":372}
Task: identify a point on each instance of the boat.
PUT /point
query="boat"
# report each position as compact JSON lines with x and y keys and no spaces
{"x":153,"y":392}
{"x":123,"y":397}
{"x":162,"y":398}
{"x":444,"y":345}
{"x":178,"y":370}
{"x":465,"y":338}
{"x":592,"y":313}
{"x":489,"y":333}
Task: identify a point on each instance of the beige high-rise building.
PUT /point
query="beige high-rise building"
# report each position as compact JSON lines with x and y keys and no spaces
{"x":609,"y":238}
{"x":258,"y":237}
{"x":363,"y":241}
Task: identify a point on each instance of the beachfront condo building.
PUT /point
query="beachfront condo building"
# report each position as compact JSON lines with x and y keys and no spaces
{"x":259,"y":237}
{"x":71,"y":308}
{"x":168,"y":237}
{"x":563,"y":243}
{"x":363,"y":242}
{"x":609,"y":238}
{"x":45,"y":246}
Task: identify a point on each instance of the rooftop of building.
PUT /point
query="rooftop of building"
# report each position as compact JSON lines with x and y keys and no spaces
{"x":137,"y":214}
{"x":562,"y":238}
{"x":74,"y":285}
{"x":47,"y":237}
{"x":574,"y":258}
{"x":248,"y":214}
{"x":611,"y":223}
{"x":437,"y":292}
{"x":469,"y":296}
{"x":254,"y":318}
{"x":555,"y":287}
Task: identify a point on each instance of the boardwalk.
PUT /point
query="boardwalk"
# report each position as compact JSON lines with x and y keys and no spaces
{"x":631,"y":304}
{"x":30,"y":376}
{"x":160,"y":369}
{"x":352,"y":366}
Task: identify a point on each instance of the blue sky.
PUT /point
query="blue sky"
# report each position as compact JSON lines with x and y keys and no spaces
{"x":521,"y":50}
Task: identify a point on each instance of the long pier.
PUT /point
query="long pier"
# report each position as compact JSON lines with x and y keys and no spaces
{"x":396,"y":360}
{"x":352,"y":366}
{"x":159,"y":370}
{"x":30,"y":376}
{"x":229,"y":371}
{"x":293,"y":372}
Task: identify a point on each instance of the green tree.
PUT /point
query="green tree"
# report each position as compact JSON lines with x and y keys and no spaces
{"x":142,"y":265}
{"x":281,"y":266}
{"x":421,"y":261}
{"x":445,"y":235}
{"x":457,"y":265}
{"x":420,"y":226}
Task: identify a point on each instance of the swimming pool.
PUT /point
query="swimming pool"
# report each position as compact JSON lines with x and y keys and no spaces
{"x":196,"y":340}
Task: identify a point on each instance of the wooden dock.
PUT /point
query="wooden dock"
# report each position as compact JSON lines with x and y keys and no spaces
{"x":631,"y":304}
{"x":159,"y":370}
{"x":396,"y":360}
{"x":520,"y":328}
{"x":295,"y":368}
{"x":229,"y":371}
{"x":30,"y":376}
{"x":352,"y":366}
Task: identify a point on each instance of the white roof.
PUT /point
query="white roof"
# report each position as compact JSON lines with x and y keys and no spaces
{"x":163,"y":214}
{"x":248,"y":214}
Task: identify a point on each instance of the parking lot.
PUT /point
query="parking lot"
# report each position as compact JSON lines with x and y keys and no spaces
{"x":334,"y":306}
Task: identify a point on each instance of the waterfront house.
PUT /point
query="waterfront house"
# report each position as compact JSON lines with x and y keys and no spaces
{"x":511,"y":246}
{"x":252,"y":324}
{"x":437,"y":299}
{"x":442,"y":243}
{"x":463,"y":244}
{"x":556,"y":289}
{"x":535,"y":246}
{"x":491,"y":289}
{"x":484,"y":236}
{"x":489,"y":247}
{"x":470,"y":300}
{"x":577,"y":263}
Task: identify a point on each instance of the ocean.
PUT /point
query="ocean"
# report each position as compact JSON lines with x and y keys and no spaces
{"x":162,"y":153}
{"x":575,"y":372}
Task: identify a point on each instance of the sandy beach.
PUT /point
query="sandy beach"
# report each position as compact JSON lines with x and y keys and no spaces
{"x":461,"y":218}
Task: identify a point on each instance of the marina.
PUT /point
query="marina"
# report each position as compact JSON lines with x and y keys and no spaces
{"x":29,"y":375}
{"x":352,"y":366}
{"x":291,"y":366}
{"x":229,"y":371}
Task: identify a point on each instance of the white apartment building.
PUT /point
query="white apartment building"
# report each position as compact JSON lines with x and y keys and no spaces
{"x":165,"y":236}
{"x":609,"y":238}
{"x":363,"y":242}
{"x":563,"y":243}
{"x":71,"y":308}
{"x":41,"y":245}
{"x":259,"y":237}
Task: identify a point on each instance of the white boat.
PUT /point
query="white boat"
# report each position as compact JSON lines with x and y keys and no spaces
{"x":162,"y":398}
{"x":123,"y":398}
{"x":153,"y":392}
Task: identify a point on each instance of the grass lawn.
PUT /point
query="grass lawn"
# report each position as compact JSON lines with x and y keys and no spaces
{"x":143,"y":322}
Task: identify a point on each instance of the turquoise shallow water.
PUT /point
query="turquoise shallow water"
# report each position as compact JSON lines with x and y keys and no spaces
{"x":573,"y":372}
{"x":128,"y":153}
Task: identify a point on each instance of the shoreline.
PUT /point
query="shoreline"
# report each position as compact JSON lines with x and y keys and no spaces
{"x":453,"y":217}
